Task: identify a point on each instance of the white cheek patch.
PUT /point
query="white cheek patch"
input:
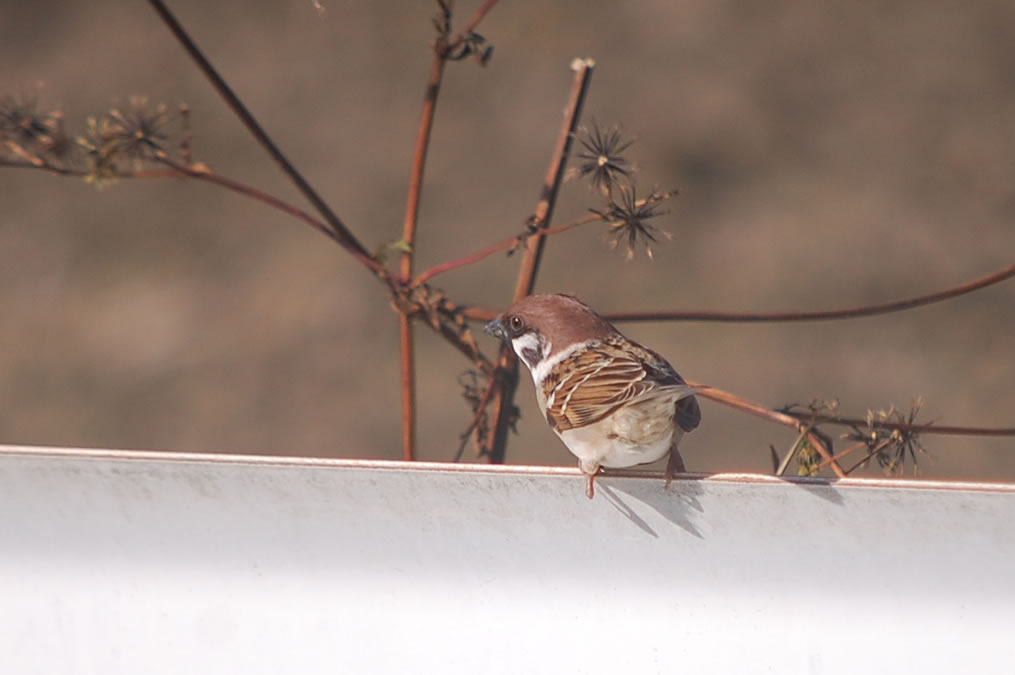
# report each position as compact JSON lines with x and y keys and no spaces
{"x":530,"y":348}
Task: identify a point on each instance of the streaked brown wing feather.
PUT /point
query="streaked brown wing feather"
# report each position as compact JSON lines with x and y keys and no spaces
{"x":593,"y":383}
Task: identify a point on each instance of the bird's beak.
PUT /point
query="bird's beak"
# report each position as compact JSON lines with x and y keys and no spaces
{"x":496,"y":329}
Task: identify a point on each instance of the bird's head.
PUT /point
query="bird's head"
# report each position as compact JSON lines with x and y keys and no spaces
{"x":540,"y":326}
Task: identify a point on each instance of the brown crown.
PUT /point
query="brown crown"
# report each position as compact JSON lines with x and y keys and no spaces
{"x":561,"y":319}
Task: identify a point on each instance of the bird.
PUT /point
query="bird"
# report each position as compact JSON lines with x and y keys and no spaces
{"x":611,"y":401}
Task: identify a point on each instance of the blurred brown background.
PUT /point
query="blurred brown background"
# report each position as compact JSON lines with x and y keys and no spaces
{"x":827,"y":155}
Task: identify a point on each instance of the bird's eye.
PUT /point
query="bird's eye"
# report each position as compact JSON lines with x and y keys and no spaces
{"x":516,"y":325}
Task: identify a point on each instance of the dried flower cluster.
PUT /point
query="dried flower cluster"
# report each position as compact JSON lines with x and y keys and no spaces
{"x":134,"y":135}
{"x":609,"y":172}
{"x":114,"y":144}
{"x":887,"y":436}
{"x":28,"y":135}
{"x":628,"y":220}
{"x":602,"y":159}
{"x":892,"y":446}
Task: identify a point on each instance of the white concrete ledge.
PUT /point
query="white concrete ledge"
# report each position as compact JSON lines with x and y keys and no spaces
{"x":133,"y":562}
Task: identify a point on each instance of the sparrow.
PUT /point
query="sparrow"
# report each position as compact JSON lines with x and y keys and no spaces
{"x":613,"y":402}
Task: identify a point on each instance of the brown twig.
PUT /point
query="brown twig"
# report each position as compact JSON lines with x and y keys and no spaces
{"x":405,"y":328}
{"x":42,"y":165}
{"x":468,"y":350}
{"x":179,"y":170}
{"x":871,"y":454}
{"x":342,"y":233}
{"x":839,"y":455}
{"x":175,"y":170}
{"x":442,"y":49}
{"x":502,"y":245}
{"x":942,"y":430}
{"x":476,"y":313}
{"x":472,"y":22}
{"x":477,"y":415}
{"x":408,"y":384}
{"x":784,"y":419}
{"x":503,"y":397}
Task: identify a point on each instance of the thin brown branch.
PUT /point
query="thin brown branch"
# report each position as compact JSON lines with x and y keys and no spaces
{"x":839,"y":455}
{"x":408,"y":386}
{"x":179,"y":170}
{"x":477,"y":415}
{"x":554,"y":177}
{"x":784,"y":464}
{"x":759,"y":410}
{"x":467,"y":350}
{"x":40,"y":165}
{"x":408,"y":371}
{"x":941,"y":430}
{"x":424,"y":132}
{"x":503,"y":245}
{"x":433,"y":88}
{"x":343,"y":234}
{"x":410,"y":222}
{"x":507,"y":366}
{"x":871,"y":454}
{"x":405,"y":329}
{"x":472,"y":22}
{"x":825,"y":315}
{"x":175,"y":170}
{"x":477,"y":313}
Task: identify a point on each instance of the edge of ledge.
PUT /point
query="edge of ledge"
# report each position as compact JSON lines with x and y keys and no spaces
{"x":40,"y":451}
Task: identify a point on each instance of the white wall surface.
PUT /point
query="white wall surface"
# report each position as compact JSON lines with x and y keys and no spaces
{"x":131,"y":562}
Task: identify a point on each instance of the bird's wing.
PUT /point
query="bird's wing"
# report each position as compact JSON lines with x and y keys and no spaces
{"x":593,"y":383}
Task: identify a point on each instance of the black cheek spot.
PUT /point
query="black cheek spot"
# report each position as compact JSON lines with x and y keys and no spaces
{"x":532,"y":356}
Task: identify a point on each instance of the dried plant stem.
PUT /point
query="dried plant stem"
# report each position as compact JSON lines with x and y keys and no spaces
{"x":477,"y":415}
{"x":824,"y":315}
{"x":941,"y":430}
{"x":472,"y":22}
{"x":408,"y":386}
{"x":554,"y":177}
{"x":784,"y":464}
{"x":502,"y":245}
{"x":759,"y":410}
{"x":405,"y":328}
{"x":507,"y":365}
{"x":477,"y":313}
{"x":179,"y":170}
{"x":871,"y":453}
{"x":408,"y":371}
{"x":176,"y":170}
{"x":342,"y":233}
{"x":409,"y":224}
{"x":42,"y":165}
{"x":433,"y":88}
{"x":839,"y":455}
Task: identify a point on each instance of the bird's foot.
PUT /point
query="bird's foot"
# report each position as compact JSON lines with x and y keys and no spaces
{"x":674,"y":465}
{"x":590,"y":470}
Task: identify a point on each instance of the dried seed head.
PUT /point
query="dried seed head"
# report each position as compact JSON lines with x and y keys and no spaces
{"x":627,"y":220}
{"x":602,"y":160}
